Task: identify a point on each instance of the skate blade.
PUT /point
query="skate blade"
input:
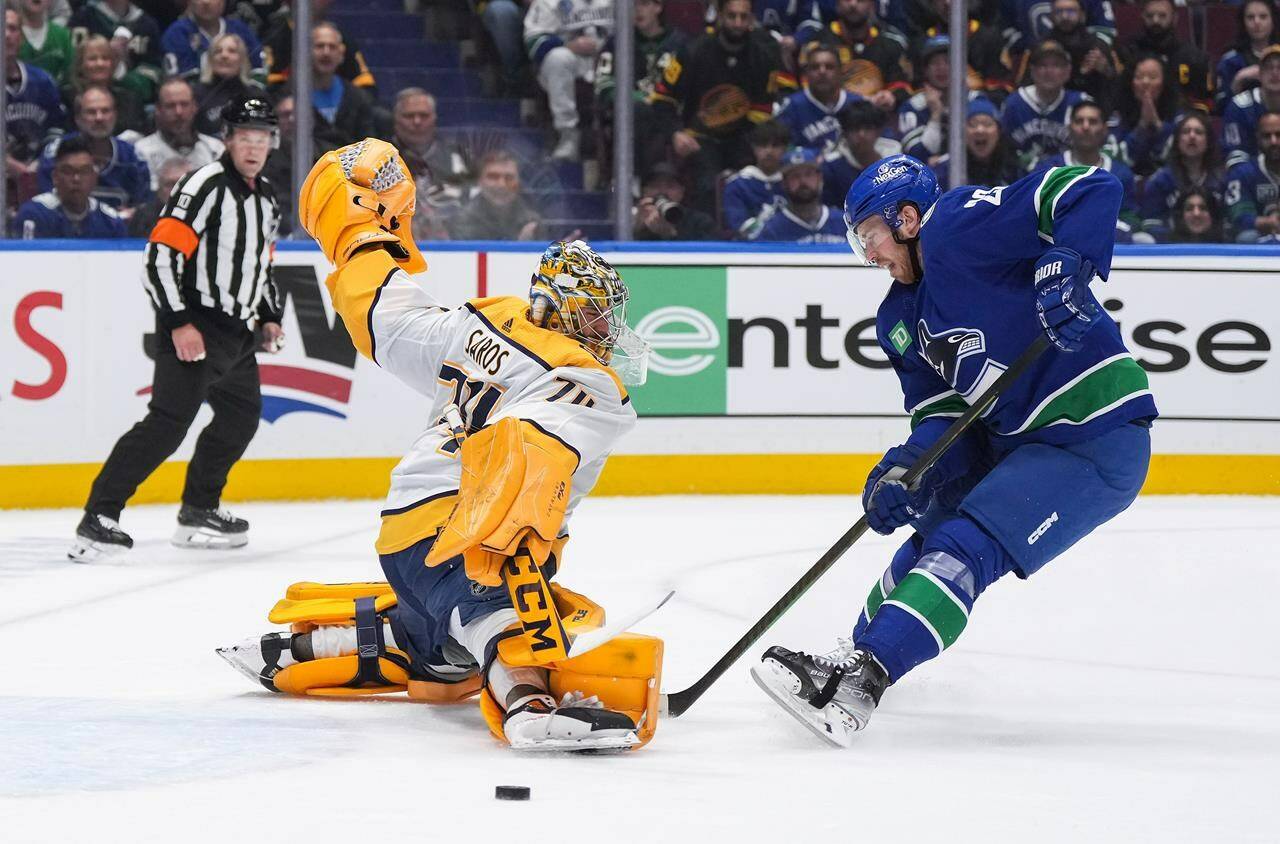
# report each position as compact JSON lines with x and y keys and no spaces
{"x":831,"y":723}
{"x":586,"y":744}
{"x":232,"y":657}
{"x":86,"y":550}
{"x":194,"y":537}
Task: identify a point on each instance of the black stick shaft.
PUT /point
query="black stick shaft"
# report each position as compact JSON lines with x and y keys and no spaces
{"x":679,"y":702}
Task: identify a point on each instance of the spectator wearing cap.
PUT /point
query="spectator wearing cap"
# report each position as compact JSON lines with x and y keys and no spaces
{"x":123,"y":179}
{"x":1188,"y":65}
{"x":1253,"y":187}
{"x":1094,"y":65}
{"x":1194,"y":160}
{"x":1035,"y":116}
{"x":813,"y":113}
{"x":862,"y":143}
{"x":1256,"y":29}
{"x":1197,"y":218}
{"x":752,"y":193}
{"x":1146,"y":110}
{"x":990,"y":159}
{"x":922,"y":119}
{"x":803,"y":218}
{"x":985,"y":50}
{"x":166,"y":174}
{"x":344,"y":113}
{"x":34,"y":115}
{"x":185,"y":42}
{"x":1088,"y":136}
{"x":1240,"y":119}
{"x":69,"y":209}
{"x":175,"y":135}
{"x":661,"y":213}
{"x":498,"y":211}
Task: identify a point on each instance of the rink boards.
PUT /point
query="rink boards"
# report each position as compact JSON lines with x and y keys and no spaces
{"x":765,"y":376}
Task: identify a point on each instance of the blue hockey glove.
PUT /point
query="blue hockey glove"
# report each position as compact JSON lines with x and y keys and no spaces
{"x":888,"y":502}
{"x":1064,"y":303}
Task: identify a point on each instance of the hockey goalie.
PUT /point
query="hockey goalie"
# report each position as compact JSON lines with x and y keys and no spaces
{"x":528,"y":399}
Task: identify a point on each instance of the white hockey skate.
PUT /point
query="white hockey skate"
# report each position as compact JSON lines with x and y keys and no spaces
{"x":215,"y":529}
{"x":578,"y":724}
{"x":260,"y":658}
{"x":833,"y":694}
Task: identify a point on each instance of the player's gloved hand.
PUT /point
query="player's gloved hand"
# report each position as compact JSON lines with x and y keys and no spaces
{"x":1064,"y":303}
{"x":888,"y":502}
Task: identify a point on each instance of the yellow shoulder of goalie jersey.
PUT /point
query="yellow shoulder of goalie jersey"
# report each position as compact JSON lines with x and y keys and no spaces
{"x":508,"y":317}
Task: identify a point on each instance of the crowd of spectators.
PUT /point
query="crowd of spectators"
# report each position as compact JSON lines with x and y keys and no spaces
{"x":751,"y":121}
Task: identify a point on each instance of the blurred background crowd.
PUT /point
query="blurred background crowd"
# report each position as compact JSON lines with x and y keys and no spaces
{"x":752,"y":117}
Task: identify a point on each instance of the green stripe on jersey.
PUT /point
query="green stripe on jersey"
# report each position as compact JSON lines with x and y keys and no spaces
{"x":1055,"y":181}
{"x":924,"y":597}
{"x":1099,"y":390}
{"x":951,"y":405}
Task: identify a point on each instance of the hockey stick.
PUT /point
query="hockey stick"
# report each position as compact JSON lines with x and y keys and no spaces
{"x":677,"y":703}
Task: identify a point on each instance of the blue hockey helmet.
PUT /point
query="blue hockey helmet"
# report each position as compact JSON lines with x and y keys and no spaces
{"x":882,"y":189}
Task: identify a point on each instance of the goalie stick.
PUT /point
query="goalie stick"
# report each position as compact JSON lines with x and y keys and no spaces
{"x":677,"y":703}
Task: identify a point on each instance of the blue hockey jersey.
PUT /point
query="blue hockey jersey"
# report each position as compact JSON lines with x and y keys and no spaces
{"x":1252,"y":192}
{"x":952,"y":334}
{"x":1037,"y":129}
{"x":1240,"y":125}
{"x":919,"y":139}
{"x":124,"y":182}
{"x":749,"y":197}
{"x":812,"y":124}
{"x":798,"y":18}
{"x":1029,"y":21}
{"x":840,"y":167}
{"x":1160,"y":195}
{"x":184,"y":43}
{"x":1128,"y":205}
{"x":785,"y":226}
{"x":33,"y":113}
{"x":43,"y":216}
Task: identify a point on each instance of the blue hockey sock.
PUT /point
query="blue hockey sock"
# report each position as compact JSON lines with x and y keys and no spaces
{"x":928,"y":608}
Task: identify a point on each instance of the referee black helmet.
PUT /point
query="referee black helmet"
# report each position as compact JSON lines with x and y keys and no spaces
{"x":251,"y":111}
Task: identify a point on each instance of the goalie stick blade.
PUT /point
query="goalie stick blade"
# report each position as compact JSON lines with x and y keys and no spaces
{"x":593,"y":639}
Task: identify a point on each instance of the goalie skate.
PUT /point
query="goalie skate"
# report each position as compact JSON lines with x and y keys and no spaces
{"x":802,"y":685}
{"x":259,"y":658}
{"x":577,"y":724}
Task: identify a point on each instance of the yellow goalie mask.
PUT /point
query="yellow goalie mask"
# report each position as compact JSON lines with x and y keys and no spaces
{"x":578,"y":293}
{"x":360,"y":194}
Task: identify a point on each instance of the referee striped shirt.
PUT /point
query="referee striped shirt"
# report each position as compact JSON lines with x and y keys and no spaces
{"x":212,"y":248}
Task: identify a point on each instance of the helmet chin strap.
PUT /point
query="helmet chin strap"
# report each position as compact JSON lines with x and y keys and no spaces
{"x":913,"y":251}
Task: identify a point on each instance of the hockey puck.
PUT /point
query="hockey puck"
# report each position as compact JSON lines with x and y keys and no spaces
{"x":511,"y":792}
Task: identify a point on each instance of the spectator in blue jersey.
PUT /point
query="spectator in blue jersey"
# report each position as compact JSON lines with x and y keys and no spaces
{"x":922,"y":119}
{"x":1198,"y":218}
{"x":1253,"y":187}
{"x":1088,"y":128}
{"x":1240,"y":119}
{"x":661,"y":213}
{"x":862,"y":143}
{"x":124,"y":181}
{"x":1027,"y":22}
{"x":1194,"y":161}
{"x":33,"y":113}
{"x":1238,"y":68}
{"x":224,"y":77}
{"x":794,"y":22}
{"x":1188,"y":65}
{"x":990,"y":160}
{"x":185,"y":42}
{"x":69,"y":210}
{"x":813,"y":113}
{"x":751,"y":194}
{"x":1035,"y":116}
{"x":1094,"y":65}
{"x":1147,"y":107}
{"x":803,"y":218}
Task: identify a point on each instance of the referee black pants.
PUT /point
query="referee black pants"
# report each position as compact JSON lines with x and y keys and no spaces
{"x":227,"y":379}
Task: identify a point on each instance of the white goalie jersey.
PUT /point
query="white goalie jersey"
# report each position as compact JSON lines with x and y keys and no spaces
{"x":487,"y":359}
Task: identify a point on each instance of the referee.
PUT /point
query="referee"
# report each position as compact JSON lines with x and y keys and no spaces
{"x":208,"y":274}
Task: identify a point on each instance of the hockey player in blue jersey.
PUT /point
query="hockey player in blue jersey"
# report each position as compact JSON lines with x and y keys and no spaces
{"x":980,"y":274}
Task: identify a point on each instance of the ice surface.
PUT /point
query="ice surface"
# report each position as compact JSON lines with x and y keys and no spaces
{"x":1129,"y":692}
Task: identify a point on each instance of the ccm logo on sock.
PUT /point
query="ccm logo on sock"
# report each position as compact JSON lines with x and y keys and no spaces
{"x":1043,"y":529}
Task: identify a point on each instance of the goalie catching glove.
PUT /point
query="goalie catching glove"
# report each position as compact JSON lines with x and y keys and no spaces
{"x":359,"y":195}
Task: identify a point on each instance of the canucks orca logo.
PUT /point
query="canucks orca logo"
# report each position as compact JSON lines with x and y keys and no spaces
{"x":945,"y":350}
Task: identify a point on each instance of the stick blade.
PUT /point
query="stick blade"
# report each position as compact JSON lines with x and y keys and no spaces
{"x":593,"y":639}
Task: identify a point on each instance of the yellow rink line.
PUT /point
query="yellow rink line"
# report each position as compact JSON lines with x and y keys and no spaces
{"x":67,"y":484}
